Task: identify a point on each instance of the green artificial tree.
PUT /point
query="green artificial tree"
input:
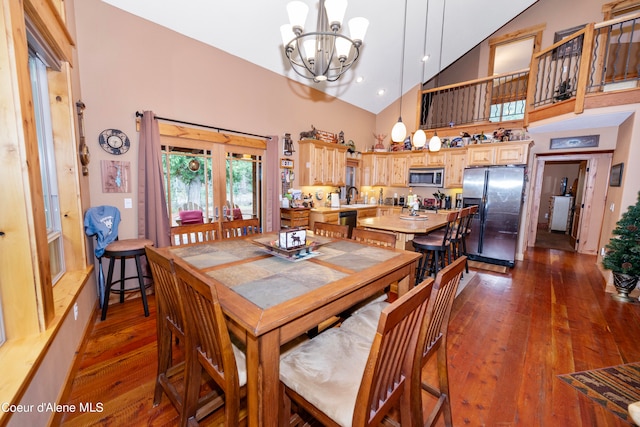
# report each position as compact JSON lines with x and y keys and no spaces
{"x":622,"y":255}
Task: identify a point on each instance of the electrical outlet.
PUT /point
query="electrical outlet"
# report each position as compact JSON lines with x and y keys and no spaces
{"x":75,"y":311}
{"x":602,"y":252}
{"x":546,"y":215}
{"x":612,"y":207}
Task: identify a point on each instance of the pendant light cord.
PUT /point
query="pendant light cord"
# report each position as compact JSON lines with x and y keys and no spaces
{"x":404,"y":36}
{"x":444,"y":7}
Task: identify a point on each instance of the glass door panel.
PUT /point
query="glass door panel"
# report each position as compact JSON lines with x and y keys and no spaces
{"x":243,"y":186}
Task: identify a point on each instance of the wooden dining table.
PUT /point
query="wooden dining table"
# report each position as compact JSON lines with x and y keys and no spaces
{"x":270,"y":301}
{"x":405,"y":226}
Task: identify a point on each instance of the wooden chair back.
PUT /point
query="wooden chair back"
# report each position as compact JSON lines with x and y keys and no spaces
{"x":373,"y":237}
{"x":331,"y":230}
{"x":433,"y":338}
{"x":193,"y":234}
{"x":240,"y":227}
{"x":209,"y":343}
{"x":169,"y":322}
{"x":473,"y":209}
{"x":461,"y":224}
{"x":392,"y":361}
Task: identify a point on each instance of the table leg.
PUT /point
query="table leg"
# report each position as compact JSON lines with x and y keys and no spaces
{"x":263,"y":379}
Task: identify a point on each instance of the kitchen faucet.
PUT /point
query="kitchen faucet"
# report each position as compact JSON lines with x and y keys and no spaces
{"x":349,"y":194}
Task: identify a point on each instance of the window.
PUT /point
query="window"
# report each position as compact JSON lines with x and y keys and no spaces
{"x":244,"y":177}
{"x":221,"y":184}
{"x":44,"y":130}
{"x":188,"y":182}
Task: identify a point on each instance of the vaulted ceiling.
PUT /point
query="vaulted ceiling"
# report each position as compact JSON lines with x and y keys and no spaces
{"x":250,"y":29}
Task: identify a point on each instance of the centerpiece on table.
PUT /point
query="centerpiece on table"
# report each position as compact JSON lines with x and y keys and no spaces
{"x":622,"y":255}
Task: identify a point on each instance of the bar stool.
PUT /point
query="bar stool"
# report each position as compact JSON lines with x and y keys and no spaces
{"x":435,"y":248}
{"x":123,"y":249}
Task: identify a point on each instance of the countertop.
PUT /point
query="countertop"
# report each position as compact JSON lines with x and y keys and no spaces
{"x":343,"y":208}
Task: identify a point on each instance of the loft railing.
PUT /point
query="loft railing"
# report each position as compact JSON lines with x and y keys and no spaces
{"x":616,"y":55}
{"x":490,"y":99}
{"x":598,"y":60}
{"x":592,"y":62}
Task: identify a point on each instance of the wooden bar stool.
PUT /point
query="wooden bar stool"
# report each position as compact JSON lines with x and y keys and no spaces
{"x":123,"y":249}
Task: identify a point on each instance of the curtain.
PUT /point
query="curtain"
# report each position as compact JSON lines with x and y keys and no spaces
{"x":273,"y":186}
{"x":153,"y":215}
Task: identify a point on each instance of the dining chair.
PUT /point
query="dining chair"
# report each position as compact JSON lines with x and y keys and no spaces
{"x":240,"y":227}
{"x":435,"y":248}
{"x":193,"y":234}
{"x":458,"y":233}
{"x":208,"y":349}
{"x":341,"y":378}
{"x":169,"y":324}
{"x":373,"y":237}
{"x":473,"y":209}
{"x":435,"y":342}
{"x":331,"y":230}
{"x":433,"y":336}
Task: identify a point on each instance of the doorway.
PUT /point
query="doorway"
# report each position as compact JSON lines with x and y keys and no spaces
{"x":585,"y":221}
{"x":563,"y":188}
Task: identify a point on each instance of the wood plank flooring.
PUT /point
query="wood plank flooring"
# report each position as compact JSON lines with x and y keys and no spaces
{"x":510,"y":335}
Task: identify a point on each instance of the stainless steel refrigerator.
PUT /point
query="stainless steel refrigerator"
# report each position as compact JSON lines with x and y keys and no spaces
{"x":498,"y":192}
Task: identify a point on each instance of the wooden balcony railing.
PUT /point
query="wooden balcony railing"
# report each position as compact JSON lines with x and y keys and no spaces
{"x":598,"y":65}
{"x":490,"y":99}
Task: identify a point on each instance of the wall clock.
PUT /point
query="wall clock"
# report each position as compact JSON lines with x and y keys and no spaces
{"x":114,"y":141}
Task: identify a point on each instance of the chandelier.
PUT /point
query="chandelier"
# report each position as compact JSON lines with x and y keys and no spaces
{"x":326,"y":54}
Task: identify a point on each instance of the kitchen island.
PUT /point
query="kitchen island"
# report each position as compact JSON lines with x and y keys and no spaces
{"x":405,"y":227}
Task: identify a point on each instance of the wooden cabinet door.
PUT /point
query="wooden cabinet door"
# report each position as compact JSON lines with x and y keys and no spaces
{"x":480,"y":155}
{"x":340,"y":167}
{"x":399,"y":170}
{"x":380,"y":170}
{"x":418,"y":158}
{"x":511,"y":154}
{"x":435,"y":159}
{"x":366,"y":173}
{"x":456,"y":161}
{"x":328,"y":164}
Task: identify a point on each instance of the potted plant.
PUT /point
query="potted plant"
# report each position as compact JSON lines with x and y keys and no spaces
{"x":622,"y":254}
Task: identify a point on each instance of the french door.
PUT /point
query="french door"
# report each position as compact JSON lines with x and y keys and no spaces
{"x":223,"y":181}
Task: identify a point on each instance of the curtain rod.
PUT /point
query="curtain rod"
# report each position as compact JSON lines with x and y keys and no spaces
{"x":139,"y":114}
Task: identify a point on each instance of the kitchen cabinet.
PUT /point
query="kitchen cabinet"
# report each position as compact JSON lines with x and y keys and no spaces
{"x":330,"y":217}
{"x":436,"y":159}
{"x":389,"y":210}
{"x":294,"y":217}
{"x":418,"y":158}
{"x":322,"y":163}
{"x":399,"y":170}
{"x":498,"y":153}
{"x":455,"y":162}
{"x":367,"y":212}
{"x":375,"y":170}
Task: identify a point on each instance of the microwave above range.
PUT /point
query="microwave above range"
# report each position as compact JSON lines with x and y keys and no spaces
{"x":426,"y":177}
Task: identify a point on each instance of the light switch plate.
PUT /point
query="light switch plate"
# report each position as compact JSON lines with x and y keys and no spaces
{"x":128,"y":204}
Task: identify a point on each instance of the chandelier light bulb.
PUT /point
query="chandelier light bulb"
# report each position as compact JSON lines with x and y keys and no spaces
{"x":335,"y":12}
{"x":297,"y":12}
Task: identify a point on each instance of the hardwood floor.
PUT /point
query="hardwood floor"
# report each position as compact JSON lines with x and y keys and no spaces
{"x":510,"y":336}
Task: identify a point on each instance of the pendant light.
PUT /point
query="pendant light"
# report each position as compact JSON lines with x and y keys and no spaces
{"x":399,"y":130}
{"x":435,"y":143}
{"x":420,"y":136}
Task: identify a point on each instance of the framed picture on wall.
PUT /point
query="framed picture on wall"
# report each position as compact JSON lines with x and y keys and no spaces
{"x":574,"y":142}
{"x":574,"y":47}
{"x":615,"y":179}
{"x":115,"y":176}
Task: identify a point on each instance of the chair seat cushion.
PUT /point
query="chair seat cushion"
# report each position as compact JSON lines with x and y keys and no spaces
{"x":327,"y":371}
{"x":364,"y":322}
{"x":241,"y":362}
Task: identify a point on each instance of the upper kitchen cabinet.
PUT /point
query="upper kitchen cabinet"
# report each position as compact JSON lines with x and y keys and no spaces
{"x":435,"y":159}
{"x":455,"y":162}
{"x":498,"y":153}
{"x":322,"y":163}
{"x":375,"y":169}
{"x":399,"y":170}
